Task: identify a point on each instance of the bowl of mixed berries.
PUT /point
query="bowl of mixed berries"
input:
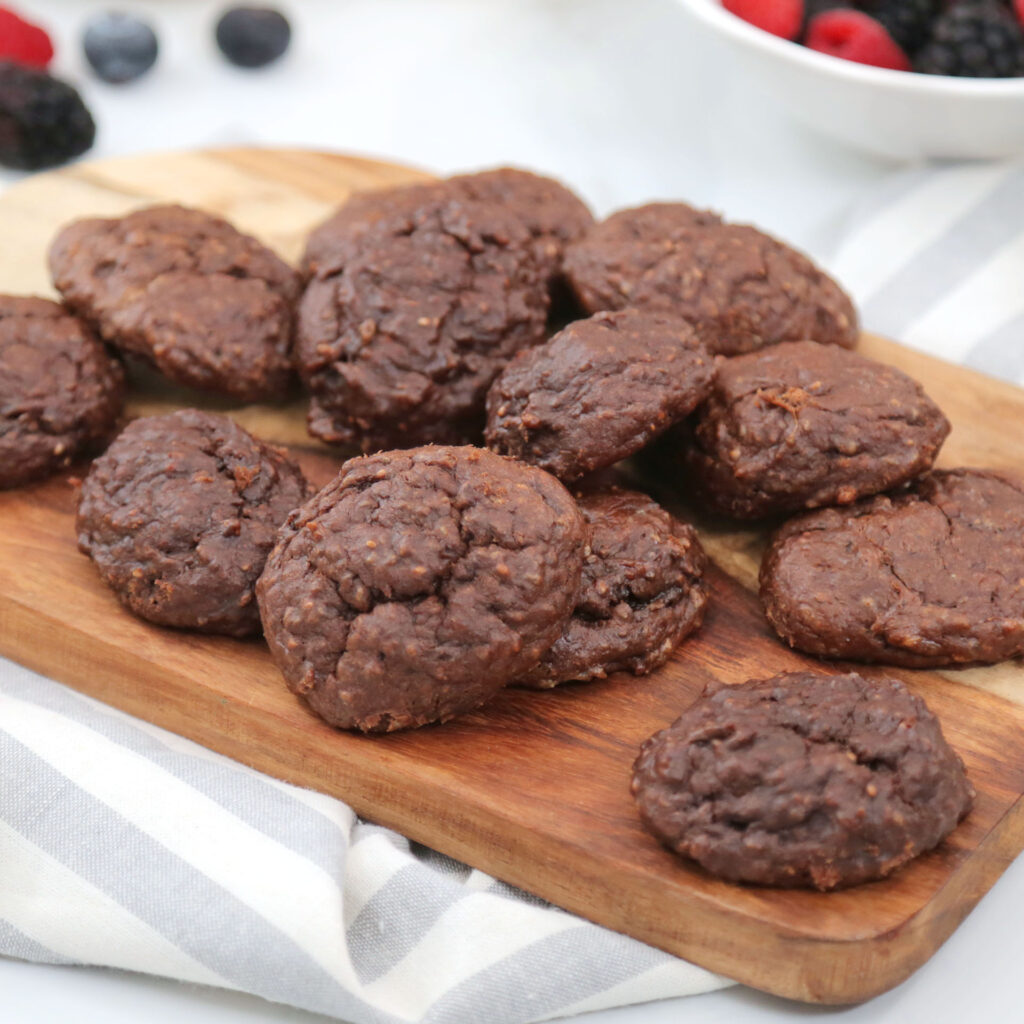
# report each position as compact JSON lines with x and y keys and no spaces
{"x":903,"y":79}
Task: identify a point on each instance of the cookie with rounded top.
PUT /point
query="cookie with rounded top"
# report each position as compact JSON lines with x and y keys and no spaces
{"x":60,"y":391}
{"x":929,"y":576}
{"x":802,"y":780}
{"x":179,"y":515}
{"x":740,"y":288}
{"x":598,"y":391}
{"x":207,"y":306}
{"x":418,"y":583}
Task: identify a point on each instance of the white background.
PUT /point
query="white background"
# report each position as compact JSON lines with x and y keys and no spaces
{"x":626,"y":101}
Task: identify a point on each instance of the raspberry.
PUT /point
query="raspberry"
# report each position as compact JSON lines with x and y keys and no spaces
{"x":780,"y":17}
{"x":23,"y":42}
{"x":907,"y":21}
{"x":812,"y":8}
{"x":43,"y":121}
{"x":974,"y":39}
{"x":855,"y":36}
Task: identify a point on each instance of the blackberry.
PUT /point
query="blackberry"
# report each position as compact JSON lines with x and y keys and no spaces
{"x":43,"y":121}
{"x":974,"y":39}
{"x":815,"y":7}
{"x":907,"y":21}
{"x":253,"y":36}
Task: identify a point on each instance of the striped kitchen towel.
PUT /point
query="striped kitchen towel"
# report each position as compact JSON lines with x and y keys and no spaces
{"x":127,"y":846}
{"x":935,"y":259}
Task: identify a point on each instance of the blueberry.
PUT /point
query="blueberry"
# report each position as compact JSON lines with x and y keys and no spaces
{"x":119,"y":47}
{"x":252,"y":37}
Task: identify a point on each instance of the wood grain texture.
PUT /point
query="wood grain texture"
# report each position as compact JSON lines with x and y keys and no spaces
{"x":533,"y":788}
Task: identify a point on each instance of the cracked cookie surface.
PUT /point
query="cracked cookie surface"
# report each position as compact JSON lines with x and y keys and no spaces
{"x":740,"y":288}
{"x":552,"y":214}
{"x":418,"y":583}
{"x":598,"y":391}
{"x":180,"y":514}
{"x":60,"y":392}
{"x":928,"y":577}
{"x":209,"y":307}
{"x":642,"y":592}
{"x":411,"y":313}
{"x":802,"y":780}
{"x":801,"y":425}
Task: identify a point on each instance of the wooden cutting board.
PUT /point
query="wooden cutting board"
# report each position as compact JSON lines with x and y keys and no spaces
{"x":533,"y":788}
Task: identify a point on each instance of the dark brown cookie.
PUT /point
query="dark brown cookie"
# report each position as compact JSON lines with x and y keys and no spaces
{"x":740,"y":288}
{"x":180,"y":514}
{"x":333,"y":240}
{"x":641,"y":595}
{"x":209,"y":307}
{"x":802,"y":780}
{"x":405,"y":324}
{"x":60,"y":393}
{"x":932,"y":576}
{"x":598,"y":391}
{"x":418,"y":583}
{"x":801,"y":425}
{"x":552,"y":214}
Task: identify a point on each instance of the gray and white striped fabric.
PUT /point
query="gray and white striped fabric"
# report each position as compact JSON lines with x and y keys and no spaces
{"x":127,"y":846}
{"x":936,"y":260}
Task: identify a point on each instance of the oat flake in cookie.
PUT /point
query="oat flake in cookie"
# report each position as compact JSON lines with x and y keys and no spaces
{"x":801,"y":425}
{"x":418,"y":583}
{"x":180,"y":514}
{"x":802,"y":780}
{"x":60,"y":392}
{"x":408,"y":320}
{"x":209,"y":307}
{"x":740,"y":288}
{"x":927,"y":577}
{"x":598,"y":391}
{"x":641,"y":595}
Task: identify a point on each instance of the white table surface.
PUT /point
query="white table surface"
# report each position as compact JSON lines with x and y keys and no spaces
{"x":625,"y":100}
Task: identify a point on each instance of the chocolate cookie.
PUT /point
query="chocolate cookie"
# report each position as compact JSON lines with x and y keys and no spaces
{"x":60,"y":392}
{"x":551,"y":213}
{"x":740,"y":288}
{"x":405,"y":324}
{"x":598,"y":391}
{"x":641,"y":595}
{"x":358,"y":215}
{"x":802,"y":780}
{"x":180,"y":514}
{"x":209,"y":307}
{"x":931,"y":576}
{"x":800,"y":425}
{"x":418,"y":583}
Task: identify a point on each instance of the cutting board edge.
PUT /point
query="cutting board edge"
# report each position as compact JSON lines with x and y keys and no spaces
{"x":856,"y":967}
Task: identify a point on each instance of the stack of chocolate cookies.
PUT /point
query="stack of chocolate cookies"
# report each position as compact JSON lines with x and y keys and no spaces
{"x":493,"y":352}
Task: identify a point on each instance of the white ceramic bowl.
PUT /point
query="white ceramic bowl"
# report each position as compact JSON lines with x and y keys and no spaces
{"x":894,"y":114}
